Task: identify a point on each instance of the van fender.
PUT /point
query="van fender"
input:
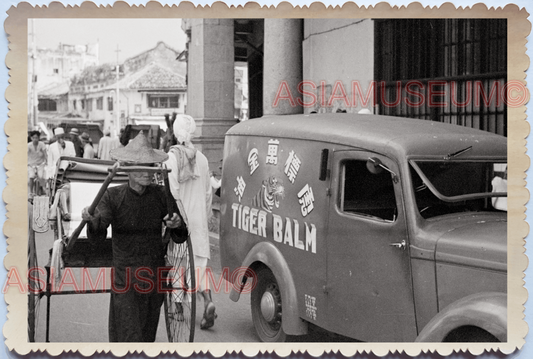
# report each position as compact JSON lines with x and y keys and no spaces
{"x":267,"y":254}
{"x":487,"y":311}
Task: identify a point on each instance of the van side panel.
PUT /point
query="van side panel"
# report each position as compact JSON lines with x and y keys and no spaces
{"x":272,"y":194}
{"x":473,"y":280}
{"x":425,"y":289}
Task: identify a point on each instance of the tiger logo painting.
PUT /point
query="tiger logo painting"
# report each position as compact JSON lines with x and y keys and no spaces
{"x":271,"y":192}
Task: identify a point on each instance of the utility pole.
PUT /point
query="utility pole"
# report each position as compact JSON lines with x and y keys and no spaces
{"x":33,"y":101}
{"x":117,"y":124}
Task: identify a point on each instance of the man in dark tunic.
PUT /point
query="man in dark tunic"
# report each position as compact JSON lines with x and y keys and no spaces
{"x":136,"y":212}
{"x":78,"y":145}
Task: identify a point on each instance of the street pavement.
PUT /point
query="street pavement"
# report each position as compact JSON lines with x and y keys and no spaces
{"x":83,"y":317}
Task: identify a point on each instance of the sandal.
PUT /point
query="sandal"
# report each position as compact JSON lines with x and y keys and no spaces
{"x":209,"y":317}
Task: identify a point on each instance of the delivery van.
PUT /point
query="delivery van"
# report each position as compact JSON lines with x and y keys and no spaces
{"x":377,"y":228}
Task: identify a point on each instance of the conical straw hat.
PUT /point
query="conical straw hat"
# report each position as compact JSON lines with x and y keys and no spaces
{"x":139,"y":151}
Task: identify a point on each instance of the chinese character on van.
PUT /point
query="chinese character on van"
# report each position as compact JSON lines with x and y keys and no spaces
{"x":376,"y":228}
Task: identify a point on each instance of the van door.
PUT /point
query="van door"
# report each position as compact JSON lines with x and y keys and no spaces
{"x":368,"y":273}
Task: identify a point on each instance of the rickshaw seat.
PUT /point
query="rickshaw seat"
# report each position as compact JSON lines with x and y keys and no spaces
{"x":84,"y":252}
{"x":81,"y":196}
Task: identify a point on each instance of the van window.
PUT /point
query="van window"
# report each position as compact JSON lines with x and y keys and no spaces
{"x":468,"y":185}
{"x":365,"y":193}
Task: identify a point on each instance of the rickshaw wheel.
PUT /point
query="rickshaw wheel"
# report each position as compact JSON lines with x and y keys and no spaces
{"x":267,"y":308}
{"x":180,"y":300}
{"x":34,"y":285}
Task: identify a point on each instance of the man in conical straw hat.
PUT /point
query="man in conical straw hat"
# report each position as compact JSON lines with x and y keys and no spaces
{"x":190,"y":183}
{"x":136,"y":211}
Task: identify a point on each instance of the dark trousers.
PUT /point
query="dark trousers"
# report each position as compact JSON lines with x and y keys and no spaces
{"x":134,"y":316}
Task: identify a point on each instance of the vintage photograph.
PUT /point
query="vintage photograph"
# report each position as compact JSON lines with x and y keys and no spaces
{"x":261,"y":179}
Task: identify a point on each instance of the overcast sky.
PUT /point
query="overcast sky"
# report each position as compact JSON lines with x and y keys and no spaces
{"x":132,"y":36}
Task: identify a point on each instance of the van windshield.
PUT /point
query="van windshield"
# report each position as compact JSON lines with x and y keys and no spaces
{"x":443,"y":187}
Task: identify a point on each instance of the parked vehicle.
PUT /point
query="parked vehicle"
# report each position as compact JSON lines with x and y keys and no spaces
{"x":151,"y":131}
{"x":377,"y":228}
{"x":93,"y":129}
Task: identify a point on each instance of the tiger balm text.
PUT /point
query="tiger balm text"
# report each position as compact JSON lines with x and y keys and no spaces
{"x":251,"y":220}
{"x":287,"y":231}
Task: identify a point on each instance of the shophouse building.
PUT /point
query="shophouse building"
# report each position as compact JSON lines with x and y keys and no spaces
{"x":49,"y":73}
{"x":142,"y":90}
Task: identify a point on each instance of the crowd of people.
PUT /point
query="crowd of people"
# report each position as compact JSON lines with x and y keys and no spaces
{"x":137,"y":211}
{"x":43,"y":156}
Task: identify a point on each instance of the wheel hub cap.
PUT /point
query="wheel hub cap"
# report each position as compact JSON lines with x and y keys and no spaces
{"x":268,"y":306}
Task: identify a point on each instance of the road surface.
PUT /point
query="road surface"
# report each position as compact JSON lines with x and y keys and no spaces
{"x":83,"y":317}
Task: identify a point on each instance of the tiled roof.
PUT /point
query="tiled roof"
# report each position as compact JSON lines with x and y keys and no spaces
{"x":161,"y":54}
{"x":158,"y":77}
{"x":152,"y":77}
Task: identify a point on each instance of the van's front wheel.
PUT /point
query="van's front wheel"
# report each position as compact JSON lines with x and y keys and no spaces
{"x":266,"y":307}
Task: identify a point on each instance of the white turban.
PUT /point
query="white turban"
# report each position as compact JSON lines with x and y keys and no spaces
{"x":185,"y":123}
{"x":182,"y":136}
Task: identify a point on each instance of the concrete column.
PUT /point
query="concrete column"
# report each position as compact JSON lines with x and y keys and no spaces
{"x":210,"y":88}
{"x":282,"y":65}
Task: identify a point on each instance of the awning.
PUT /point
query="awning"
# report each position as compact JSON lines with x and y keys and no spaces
{"x":53,"y":90}
{"x":58,"y":116}
{"x":53,"y":119}
{"x":150,"y":120}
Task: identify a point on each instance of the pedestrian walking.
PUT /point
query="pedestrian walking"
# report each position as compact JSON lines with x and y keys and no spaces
{"x":105,"y":146}
{"x":78,"y":145}
{"x":88,"y":149}
{"x":37,"y":157}
{"x":61,"y":147}
{"x":190,"y":183}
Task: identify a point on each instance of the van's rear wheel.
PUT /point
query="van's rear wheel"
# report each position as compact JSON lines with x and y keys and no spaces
{"x":266,"y":307}
{"x":470,"y":334}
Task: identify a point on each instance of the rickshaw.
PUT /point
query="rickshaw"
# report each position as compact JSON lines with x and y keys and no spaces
{"x":83,"y":182}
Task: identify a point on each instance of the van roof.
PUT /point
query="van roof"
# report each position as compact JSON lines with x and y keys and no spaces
{"x":395,"y":136}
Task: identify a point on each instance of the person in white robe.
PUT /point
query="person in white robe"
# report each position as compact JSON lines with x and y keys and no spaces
{"x":58,"y":149}
{"x":105,"y":145}
{"x":190,"y":183}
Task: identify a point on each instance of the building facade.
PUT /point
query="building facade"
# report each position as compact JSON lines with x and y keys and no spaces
{"x":446,"y":70}
{"x":49,"y":73}
{"x":141,"y":90}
